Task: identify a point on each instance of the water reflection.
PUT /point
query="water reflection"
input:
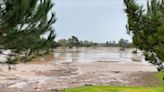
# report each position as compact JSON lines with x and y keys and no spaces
{"x":74,"y":56}
{"x":138,"y":57}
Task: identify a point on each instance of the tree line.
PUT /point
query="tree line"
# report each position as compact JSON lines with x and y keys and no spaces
{"x":76,"y":42}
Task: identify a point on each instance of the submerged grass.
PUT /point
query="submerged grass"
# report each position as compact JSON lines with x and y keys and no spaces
{"x":158,"y":88}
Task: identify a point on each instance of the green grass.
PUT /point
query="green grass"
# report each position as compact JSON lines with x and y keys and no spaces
{"x":159,"y":88}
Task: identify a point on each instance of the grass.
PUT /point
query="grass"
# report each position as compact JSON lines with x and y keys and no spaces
{"x":159,"y":88}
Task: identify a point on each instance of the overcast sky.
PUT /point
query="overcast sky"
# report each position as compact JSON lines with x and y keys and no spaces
{"x":95,"y":20}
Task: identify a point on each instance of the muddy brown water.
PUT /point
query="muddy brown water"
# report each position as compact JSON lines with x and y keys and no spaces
{"x":87,"y":55}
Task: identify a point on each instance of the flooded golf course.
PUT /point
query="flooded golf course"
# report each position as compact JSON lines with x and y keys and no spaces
{"x":66,"y":68}
{"x":94,"y":54}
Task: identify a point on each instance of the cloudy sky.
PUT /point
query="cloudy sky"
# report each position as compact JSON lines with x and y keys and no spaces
{"x":95,"y":20}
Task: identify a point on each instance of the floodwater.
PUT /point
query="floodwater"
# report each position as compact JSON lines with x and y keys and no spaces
{"x":86,"y":55}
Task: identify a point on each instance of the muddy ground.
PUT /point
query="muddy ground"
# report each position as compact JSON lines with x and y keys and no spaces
{"x":53,"y":77}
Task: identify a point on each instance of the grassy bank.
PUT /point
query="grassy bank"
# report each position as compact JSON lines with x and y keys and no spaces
{"x":158,"y":88}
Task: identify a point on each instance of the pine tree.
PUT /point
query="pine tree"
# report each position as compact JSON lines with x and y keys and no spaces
{"x":24,"y":23}
{"x":147,"y":28}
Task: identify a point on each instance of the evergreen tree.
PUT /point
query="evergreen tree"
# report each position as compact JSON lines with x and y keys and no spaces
{"x":24,"y":23}
{"x":147,"y":28}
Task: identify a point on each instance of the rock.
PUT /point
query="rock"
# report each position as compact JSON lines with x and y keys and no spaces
{"x":88,"y":84}
{"x":54,"y":89}
{"x":116,"y":71}
{"x":134,"y":52}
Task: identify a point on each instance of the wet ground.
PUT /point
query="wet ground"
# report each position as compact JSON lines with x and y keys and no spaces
{"x":101,"y":66}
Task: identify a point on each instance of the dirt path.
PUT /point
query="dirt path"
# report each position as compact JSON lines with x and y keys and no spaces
{"x":53,"y":77}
